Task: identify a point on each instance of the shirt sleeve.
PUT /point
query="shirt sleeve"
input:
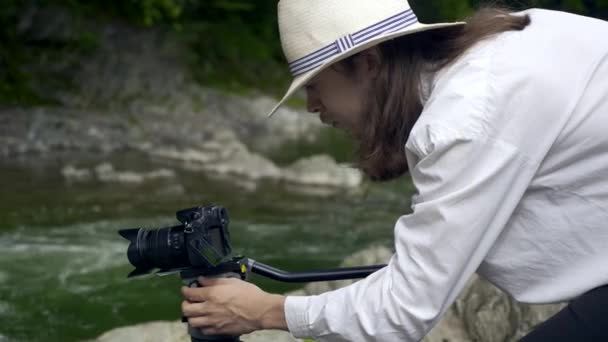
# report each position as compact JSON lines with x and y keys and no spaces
{"x":467,"y":187}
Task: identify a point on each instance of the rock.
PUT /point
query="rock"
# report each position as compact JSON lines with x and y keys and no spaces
{"x":241,"y":162}
{"x":177,"y":332}
{"x":286,"y":124}
{"x":105,"y":172}
{"x":269,"y":335}
{"x":48,"y":24}
{"x":225,"y":155}
{"x":322,"y":170}
{"x":449,"y":329}
{"x":188,"y":155}
{"x":71,"y":173}
{"x":490,"y":315}
{"x":319,"y":175}
{"x":148,"y":332}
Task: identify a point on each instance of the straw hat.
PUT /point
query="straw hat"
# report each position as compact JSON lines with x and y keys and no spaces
{"x":318,"y":33}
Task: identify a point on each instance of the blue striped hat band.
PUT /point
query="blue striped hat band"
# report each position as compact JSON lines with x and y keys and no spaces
{"x":311,"y":61}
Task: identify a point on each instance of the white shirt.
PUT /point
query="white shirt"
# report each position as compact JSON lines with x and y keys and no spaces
{"x":510,"y":163}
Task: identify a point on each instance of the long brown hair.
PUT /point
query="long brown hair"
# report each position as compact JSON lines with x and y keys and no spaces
{"x":396,"y":99}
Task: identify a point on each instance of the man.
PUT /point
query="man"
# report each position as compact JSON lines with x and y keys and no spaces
{"x":501,"y":123}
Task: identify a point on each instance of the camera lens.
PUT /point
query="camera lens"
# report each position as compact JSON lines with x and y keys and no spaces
{"x":156,"y":248}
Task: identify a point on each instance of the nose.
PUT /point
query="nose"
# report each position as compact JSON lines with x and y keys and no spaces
{"x":313,"y":104}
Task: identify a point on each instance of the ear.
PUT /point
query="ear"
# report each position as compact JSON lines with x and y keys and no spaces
{"x":369,"y":62}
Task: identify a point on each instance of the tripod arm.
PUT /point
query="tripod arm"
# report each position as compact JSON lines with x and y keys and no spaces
{"x":309,"y":276}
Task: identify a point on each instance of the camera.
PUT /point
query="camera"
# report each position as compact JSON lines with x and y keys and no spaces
{"x":200,"y":246}
{"x":202,"y":241}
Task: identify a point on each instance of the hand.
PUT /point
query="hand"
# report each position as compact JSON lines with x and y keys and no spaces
{"x":230,"y":306}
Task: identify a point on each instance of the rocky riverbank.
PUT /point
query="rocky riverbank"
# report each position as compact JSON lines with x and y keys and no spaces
{"x":135,"y":94}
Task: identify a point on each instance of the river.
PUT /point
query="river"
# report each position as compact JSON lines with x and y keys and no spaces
{"x":63,"y":266}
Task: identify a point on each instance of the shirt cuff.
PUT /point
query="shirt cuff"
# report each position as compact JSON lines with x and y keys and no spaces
{"x":296,"y":315}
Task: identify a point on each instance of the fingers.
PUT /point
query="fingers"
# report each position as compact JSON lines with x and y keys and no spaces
{"x":198,"y":318}
{"x":190,"y":309}
{"x":200,"y":322}
{"x":195,"y":294}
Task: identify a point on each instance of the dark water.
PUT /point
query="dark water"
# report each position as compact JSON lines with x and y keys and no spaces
{"x":63,"y":267}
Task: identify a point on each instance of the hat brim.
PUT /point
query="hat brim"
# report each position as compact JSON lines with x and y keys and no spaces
{"x":302,"y":79}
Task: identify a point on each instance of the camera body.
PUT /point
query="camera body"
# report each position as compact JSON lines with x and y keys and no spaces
{"x":206,"y":235}
{"x":202,"y":241}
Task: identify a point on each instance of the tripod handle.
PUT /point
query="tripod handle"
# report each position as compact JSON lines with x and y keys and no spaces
{"x":191,"y":280}
{"x":309,"y":276}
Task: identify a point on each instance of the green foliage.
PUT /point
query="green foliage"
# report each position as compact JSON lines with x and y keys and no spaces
{"x":13,"y":79}
{"x":21,"y":49}
{"x":441,"y":10}
{"x":235,"y":43}
{"x":158,"y":10}
{"x":594,"y":8}
{"x":142,"y":12}
{"x":236,"y":46}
